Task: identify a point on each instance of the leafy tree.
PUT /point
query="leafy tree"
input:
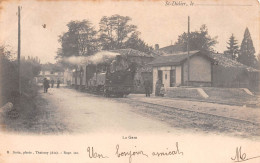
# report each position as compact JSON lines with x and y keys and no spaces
{"x":29,"y":68}
{"x":258,"y":59}
{"x":199,"y":40}
{"x":79,"y":40}
{"x":8,"y":72}
{"x":136,"y":43}
{"x":247,"y":51}
{"x":233,"y":48}
{"x":56,"y":67}
{"x":115,"y":31}
{"x":32,"y":63}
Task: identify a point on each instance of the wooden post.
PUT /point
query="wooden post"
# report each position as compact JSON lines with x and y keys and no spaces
{"x":19,"y":50}
{"x":188,"y":49}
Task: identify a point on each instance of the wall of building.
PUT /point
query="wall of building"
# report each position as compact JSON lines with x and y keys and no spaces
{"x":50,"y":76}
{"x":178,"y":75}
{"x":166,"y":75}
{"x":200,"y":71}
{"x":232,"y":77}
{"x":155,"y":75}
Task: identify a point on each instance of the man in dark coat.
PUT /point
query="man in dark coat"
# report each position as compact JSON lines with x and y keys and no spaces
{"x":46,"y":85}
{"x":52,"y":83}
{"x":147,"y":87}
{"x":58,"y":83}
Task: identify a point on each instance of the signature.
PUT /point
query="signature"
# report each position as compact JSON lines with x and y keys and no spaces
{"x":241,"y":156}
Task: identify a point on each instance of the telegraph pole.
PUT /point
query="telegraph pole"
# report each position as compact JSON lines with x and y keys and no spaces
{"x":188,"y":49}
{"x":19,"y":50}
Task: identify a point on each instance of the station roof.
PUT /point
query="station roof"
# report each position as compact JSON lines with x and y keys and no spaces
{"x":218,"y":58}
{"x":172,"y":59}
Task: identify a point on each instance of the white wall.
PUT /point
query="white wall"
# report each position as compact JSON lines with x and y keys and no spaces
{"x":155,"y":75}
{"x":200,"y":69}
{"x":166,"y":72}
{"x":178,"y":75}
{"x":166,"y":78}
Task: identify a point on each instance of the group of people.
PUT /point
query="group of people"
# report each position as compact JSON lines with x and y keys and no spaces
{"x":46,"y":84}
{"x":159,"y":88}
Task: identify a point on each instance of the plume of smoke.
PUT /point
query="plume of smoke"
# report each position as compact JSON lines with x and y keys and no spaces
{"x":97,"y":58}
{"x":75,"y":60}
{"x":102,"y":56}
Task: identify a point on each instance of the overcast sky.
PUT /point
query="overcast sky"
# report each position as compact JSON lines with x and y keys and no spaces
{"x":157,"y":23}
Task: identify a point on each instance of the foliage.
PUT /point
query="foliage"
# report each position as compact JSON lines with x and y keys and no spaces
{"x":247,"y":51}
{"x":233,"y":48}
{"x":258,"y":59}
{"x":199,"y":40}
{"x":79,"y":40}
{"x":8,"y":75}
{"x":56,"y":67}
{"x":32,"y":64}
{"x":29,"y":68}
{"x":115,"y":31}
{"x":136,"y":43}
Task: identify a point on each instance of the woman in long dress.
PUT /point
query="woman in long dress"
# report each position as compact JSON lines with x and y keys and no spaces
{"x":158,"y":87}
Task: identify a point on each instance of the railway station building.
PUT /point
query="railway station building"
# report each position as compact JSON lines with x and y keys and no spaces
{"x":206,"y":69}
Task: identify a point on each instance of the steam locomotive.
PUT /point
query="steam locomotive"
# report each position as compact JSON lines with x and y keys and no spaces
{"x":110,"y":78}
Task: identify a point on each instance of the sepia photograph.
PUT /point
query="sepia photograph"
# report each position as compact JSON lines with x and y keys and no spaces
{"x":129,"y":81}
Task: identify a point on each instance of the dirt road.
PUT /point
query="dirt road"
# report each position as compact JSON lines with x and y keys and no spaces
{"x":67,"y":110}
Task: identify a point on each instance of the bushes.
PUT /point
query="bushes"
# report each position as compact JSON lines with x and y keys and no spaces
{"x":9,"y":76}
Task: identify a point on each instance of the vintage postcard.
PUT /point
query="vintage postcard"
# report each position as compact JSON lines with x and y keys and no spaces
{"x":95,"y":81}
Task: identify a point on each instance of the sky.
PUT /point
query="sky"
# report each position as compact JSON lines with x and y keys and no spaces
{"x":158,"y":23}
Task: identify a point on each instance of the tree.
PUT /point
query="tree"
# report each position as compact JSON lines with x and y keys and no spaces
{"x":247,"y":51}
{"x":56,"y":67}
{"x":199,"y":40}
{"x":258,"y":59}
{"x":136,"y":43}
{"x":233,"y":48}
{"x":115,"y":31}
{"x":79,"y":40}
{"x":29,"y":68}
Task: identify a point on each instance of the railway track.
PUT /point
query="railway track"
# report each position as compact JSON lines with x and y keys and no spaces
{"x":192,"y":119}
{"x":185,"y":118}
{"x":171,"y":109}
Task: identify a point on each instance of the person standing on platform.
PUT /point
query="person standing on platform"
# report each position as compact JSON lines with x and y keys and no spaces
{"x":46,"y":85}
{"x":147,"y":87}
{"x":58,"y":83}
{"x":52,"y":83}
{"x":158,"y":87}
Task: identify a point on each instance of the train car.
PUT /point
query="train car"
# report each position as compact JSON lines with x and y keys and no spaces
{"x":116,"y":83}
{"x":78,"y":78}
{"x":95,"y":77}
